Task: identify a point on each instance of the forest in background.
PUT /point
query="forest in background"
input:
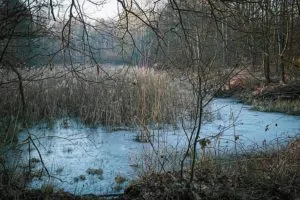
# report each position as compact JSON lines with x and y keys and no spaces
{"x":261,"y":35}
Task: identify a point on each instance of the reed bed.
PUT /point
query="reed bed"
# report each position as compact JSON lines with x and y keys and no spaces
{"x":116,"y":97}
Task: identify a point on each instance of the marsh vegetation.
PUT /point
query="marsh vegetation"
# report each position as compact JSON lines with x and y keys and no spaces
{"x":128,"y":104}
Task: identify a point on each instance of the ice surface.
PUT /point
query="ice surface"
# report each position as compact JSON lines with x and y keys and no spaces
{"x":69,"y":148}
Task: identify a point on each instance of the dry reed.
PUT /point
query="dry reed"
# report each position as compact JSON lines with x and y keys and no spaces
{"x":119,"y":97}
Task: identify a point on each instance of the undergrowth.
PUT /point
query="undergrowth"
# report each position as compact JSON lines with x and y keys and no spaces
{"x":272,"y":175}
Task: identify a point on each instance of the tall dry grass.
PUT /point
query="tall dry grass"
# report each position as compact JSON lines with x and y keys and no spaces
{"x":117,"y":97}
{"x":122,"y":96}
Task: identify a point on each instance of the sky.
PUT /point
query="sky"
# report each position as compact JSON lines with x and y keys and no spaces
{"x":105,"y":9}
{"x":108,"y":10}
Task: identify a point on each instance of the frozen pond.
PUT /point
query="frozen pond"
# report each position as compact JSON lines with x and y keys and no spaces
{"x":85,"y":160}
{"x":252,"y":128}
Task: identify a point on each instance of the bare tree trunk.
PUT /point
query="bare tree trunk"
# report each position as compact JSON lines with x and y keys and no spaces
{"x":266,"y":53}
{"x":266,"y":63}
{"x":282,"y":40}
{"x":282,"y":71}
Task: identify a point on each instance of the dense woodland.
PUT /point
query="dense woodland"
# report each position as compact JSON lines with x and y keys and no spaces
{"x":176,"y":56}
{"x":262,"y":35}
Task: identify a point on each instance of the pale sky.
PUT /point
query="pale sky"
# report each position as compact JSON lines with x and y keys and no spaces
{"x":108,"y":10}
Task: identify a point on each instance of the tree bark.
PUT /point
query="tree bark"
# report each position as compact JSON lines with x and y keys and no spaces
{"x":266,"y":63}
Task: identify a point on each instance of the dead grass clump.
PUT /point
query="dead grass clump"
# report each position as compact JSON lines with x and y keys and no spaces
{"x":120,"y":179}
{"x":94,"y":171}
{"x":47,"y":188}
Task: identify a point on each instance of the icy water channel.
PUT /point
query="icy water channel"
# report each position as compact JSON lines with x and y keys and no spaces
{"x":85,"y":160}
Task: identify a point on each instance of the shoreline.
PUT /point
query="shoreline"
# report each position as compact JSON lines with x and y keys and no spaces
{"x":282,"y":98}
